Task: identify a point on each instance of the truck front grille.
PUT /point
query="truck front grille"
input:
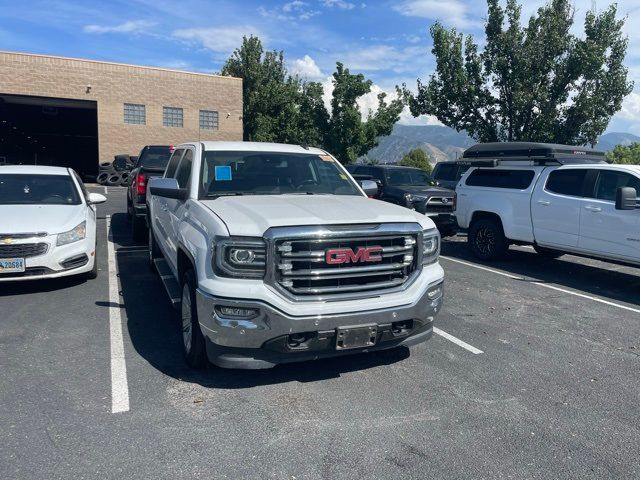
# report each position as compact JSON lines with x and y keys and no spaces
{"x":439,"y":205}
{"x":23,"y":250}
{"x":318,"y":266}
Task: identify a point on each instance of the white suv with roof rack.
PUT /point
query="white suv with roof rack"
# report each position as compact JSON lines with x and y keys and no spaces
{"x":558,"y":198}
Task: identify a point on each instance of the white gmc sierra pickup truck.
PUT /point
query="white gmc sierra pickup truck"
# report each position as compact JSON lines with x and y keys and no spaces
{"x":558,"y":198}
{"x":277,"y":255}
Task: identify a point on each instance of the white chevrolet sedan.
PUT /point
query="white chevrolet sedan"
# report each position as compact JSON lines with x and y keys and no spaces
{"x":47,"y":224}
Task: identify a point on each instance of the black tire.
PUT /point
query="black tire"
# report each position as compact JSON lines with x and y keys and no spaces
{"x":114,"y":180}
{"x":154,"y":251}
{"x":124,"y":182}
{"x":102,"y":178}
{"x":486,"y":239}
{"x":120,"y":162}
{"x":106,"y":167}
{"x":139,"y":228}
{"x":193,"y":345}
{"x":547,"y":252}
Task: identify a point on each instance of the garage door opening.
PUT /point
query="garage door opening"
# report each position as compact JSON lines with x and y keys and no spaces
{"x":49,"y":131}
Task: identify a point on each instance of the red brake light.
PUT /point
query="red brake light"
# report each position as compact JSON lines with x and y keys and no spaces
{"x":141,"y":184}
{"x":172,"y":148}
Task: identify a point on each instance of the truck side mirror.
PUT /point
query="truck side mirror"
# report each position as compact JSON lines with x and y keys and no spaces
{"x":626,"y":198}
{"x":168,"y":188}
{"x":370,"y":187}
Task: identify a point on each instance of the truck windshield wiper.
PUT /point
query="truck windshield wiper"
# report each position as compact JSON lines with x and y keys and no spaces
{"x":224,"y":194}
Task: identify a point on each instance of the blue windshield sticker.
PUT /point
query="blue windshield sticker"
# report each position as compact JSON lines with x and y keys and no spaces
{"x":223,"y":173}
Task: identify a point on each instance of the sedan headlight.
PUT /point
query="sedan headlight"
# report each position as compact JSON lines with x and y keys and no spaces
{"x":74,"y":235}
{"x":430,"y":246}
{"x":240,"y":258}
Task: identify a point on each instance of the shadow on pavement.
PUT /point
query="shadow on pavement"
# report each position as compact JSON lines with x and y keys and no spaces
{"x":567,"y":271}
{"x":154,"y":331}
{"x":26,"y":287}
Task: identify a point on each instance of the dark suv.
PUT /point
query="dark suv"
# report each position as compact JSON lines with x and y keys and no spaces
{"x":448,"y":174}
{"x":152,"y":161}
{"x":412,"y":188}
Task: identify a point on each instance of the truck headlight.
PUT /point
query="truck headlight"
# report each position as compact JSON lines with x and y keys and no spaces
{"x":74,"y":235}
{"x":430,"y":246}
{"x":242,"y":257}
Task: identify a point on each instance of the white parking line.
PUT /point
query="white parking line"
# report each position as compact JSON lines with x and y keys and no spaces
{"x":119,"y":385}
{"x":545,"y":285}
{"x":457,"y":341}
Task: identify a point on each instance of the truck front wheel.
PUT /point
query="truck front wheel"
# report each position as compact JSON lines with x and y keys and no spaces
{"x":486,"y":239}
{"x":193,"y":346}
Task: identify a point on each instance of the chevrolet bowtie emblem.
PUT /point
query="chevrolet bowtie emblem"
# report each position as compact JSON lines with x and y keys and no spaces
{"x":6,"y":241}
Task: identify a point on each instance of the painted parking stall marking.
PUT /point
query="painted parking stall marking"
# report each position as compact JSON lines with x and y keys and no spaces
{"x":545,"y":285}
{"x":119,"y":384}
{"x":457,"y":341}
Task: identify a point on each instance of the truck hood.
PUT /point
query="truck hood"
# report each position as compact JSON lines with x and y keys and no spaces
{"x":428,"y":190}
{"x":40,"y":218}
{"x":253,"y":215}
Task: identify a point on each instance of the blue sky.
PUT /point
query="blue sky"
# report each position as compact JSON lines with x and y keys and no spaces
{"x":387,"y":40}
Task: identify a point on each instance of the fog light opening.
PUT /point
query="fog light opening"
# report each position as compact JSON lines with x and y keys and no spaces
{"x":400,"y":328}
{"x":236,"y":312}
{"x":299,"y":341}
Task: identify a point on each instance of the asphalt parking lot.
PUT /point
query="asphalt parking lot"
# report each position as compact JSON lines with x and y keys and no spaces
{"x":535,"y":373}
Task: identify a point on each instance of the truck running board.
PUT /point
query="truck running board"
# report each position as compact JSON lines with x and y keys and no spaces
{"x":169,"y":281}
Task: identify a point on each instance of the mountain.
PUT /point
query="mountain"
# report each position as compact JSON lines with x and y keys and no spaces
{"x":609,"y":140}
{"x":444,"y":143}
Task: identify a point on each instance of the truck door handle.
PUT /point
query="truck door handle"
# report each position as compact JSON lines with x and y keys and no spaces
{"x":544,"y":203}
{"x":593,"y":209}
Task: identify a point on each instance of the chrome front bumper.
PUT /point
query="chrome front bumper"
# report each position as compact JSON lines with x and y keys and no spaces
{"x":261,"y":341}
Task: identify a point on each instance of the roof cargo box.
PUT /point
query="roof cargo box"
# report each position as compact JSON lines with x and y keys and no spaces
{"x":540,"y":153}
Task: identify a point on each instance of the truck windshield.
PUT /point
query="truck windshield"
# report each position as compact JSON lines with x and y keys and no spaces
{"x":408,"y":176}
{"x":21,"y":189}
{"x":272,"y":173}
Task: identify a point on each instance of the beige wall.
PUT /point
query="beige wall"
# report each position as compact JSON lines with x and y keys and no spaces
{"x":112,"y":85}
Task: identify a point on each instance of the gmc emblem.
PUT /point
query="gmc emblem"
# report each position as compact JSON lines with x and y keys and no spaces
{"x":336,"y":256}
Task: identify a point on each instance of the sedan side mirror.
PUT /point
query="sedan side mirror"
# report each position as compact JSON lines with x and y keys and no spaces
{"x":168,"y":188}
{"x":95,"y":198}
{"x":626,"y":199}
{"x":370,"y":187}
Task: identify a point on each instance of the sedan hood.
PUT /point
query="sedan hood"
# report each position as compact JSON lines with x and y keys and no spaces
{"x":252,"y":215}
{"x":40,"y":218}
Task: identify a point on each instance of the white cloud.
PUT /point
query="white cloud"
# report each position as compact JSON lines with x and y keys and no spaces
{"x":291,"y":11}
{"x":131,"y":26}
{"x":449,"y":12}
{"x":307,"y":68}
{"x":341,"y":4}
{"x":630,"y":108}
{"x":382,"y":57}
{"x":219,"y":39}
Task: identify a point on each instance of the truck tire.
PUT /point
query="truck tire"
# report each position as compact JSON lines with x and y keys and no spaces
{"x":486,"y":239}
{"x":154,"y":251}
{"x":138,"y":228}
{"x":547,"y":252}
{"x":114,"y":180}
{"x":193,"y":345}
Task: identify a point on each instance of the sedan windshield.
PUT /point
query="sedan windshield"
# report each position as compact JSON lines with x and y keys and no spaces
{"x":408,"y":176}
{"x":20,"y":189}
{"x":270,"y":173}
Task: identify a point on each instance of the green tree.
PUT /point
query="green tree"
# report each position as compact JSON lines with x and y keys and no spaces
{"x":278,"y":107}
{"x":417,"y":158}
{"x":531,"y":82}
{"x":348,"y":136}
{"x":625,"y":154}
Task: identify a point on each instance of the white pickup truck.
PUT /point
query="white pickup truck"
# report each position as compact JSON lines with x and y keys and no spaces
{"x":273,"y":254}
{"x":558,"y":198}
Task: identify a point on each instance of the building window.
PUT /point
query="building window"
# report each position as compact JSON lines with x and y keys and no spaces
{"x":135,"y":114}
{"x":172,"y":117}
{"x":208,"y":120}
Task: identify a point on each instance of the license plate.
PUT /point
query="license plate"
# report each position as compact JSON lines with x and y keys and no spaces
{"x":11,"y":265}
{"x":356,"y":337}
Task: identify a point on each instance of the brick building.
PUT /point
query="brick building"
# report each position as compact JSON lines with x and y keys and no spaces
{"x":71,"y":112}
